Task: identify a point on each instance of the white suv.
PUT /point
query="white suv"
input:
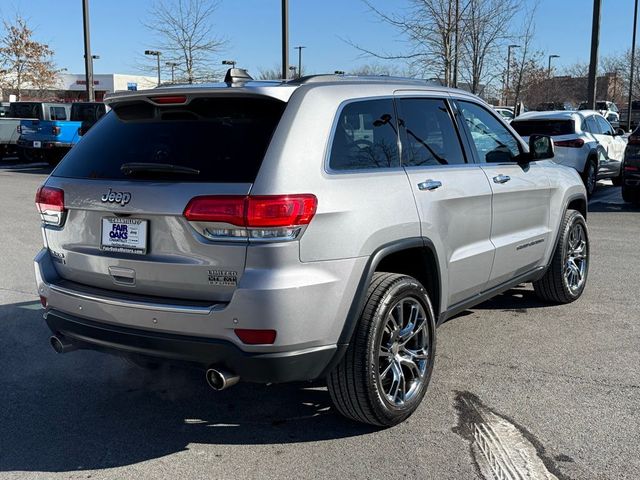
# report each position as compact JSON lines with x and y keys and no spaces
{"x":584,"y":140}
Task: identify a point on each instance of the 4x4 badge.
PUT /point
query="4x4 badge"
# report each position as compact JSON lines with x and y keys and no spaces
{"x":116,"y":197}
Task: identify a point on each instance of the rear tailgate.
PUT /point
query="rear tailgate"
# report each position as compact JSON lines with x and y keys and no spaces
{"x":124,"y":228}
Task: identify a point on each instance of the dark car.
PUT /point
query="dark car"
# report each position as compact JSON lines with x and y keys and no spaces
{"x":631,"y":169}
{"x":549,"y":106}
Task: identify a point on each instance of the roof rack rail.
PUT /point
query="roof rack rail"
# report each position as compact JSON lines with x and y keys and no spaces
{"x":332,"y":77}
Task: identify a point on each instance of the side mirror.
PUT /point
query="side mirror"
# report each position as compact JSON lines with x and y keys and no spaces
{"x":540,"y":148}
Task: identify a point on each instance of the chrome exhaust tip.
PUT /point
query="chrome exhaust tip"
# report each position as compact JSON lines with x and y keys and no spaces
{"x":220,"y":379}
{"x":61,"y":345}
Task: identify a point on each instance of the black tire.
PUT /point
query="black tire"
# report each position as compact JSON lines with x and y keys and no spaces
{"x":356,"y":385}
{"x":554,"y":286}
{"x":590,"y":176}
{"x":631,"y":194}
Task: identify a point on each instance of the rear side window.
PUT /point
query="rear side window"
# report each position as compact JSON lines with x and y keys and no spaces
{"x":58,"y":113}
{"x":429,"y":137}
{"x":208,"y":140}
{"x":591,"y":124}
{"x":526,"y":128}
{"x":365,"y":136}
{"x":26,"y":110}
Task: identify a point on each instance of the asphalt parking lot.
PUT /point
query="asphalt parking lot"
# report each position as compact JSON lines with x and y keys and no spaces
{"x":562,"y":382}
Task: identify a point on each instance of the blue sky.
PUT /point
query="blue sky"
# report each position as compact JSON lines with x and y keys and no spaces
{"x":252,"y":28}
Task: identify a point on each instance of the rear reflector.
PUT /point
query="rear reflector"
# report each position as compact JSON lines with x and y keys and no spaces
{"x":174,"y":100}
{"x":253,"y":212}
{"x":576,"y":143}
{"x":256,"y":337}
{"x":43,"y":301}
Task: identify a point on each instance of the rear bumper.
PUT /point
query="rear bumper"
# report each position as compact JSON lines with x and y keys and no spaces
{"x":281,"y":367}
{"x":45,"y":144}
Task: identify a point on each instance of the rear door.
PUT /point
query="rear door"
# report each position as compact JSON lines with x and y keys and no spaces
{"x":126,"y":186}
{"x":609,"y":163}
{"x":521,"y":194}
{"x":452,"y":193}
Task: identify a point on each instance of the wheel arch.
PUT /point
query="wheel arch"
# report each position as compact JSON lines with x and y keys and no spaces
{"x":417,"y":257}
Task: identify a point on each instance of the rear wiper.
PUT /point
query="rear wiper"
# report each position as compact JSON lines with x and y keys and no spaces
{"x":135,"y":167}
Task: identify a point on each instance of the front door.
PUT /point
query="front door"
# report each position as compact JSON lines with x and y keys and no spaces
{"x":521,"y":195}
{"x":453,"y":196}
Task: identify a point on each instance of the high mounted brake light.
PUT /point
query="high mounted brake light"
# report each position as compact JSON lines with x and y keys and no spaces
{"x":169,"y":100}
{"x":269,"y":217}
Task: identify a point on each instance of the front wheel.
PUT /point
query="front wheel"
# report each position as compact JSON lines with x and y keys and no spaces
{"x":566,"y":277}
{"x":387,"y":367}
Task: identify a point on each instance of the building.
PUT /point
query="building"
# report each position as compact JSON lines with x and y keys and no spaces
{"x":72,"y":87}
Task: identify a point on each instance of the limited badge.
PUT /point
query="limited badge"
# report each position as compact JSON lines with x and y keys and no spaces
{"x":225,"y":278}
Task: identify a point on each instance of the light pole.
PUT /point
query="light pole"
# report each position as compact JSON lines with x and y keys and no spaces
{"x":549,"y":69}
{"x":633,"y":58}
{"x":156,"y":54}
{"x":299,"y":48}
{"x":506,"y":80}
{"x":285,"y":38}
{"x":88,"y":62}
{"x":292,"y":69}
{"x":229,"y":62}
{"x":593,"y":63}
{"x":173,"y":66}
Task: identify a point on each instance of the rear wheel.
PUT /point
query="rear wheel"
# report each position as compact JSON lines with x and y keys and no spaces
{"x":590,"y":176}
{"x":385,"y":372}
{"x":566,"y":277}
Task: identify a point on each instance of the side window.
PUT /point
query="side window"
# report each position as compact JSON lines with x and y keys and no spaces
{"x":365,"y":136}
{"x":428,"y":134}
{"x":493,"y":141}
{"x":58,"y":113}
{"x":604,"y":126}
{"x":592,"y":125}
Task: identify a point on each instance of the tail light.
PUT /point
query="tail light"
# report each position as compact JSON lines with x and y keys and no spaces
{"x":50,"y":204}
{"x":631,"y":168}
{"x":55,"y":130}
{"x":575,"y":143}
{"x":272,"y":217}
{"x":633,"y":139}
{"x":256,"y":337}
{"x":43,"y":301}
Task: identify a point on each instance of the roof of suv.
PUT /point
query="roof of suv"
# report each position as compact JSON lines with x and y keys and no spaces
{"x":557,"y":115}
{"x":282,"y":89}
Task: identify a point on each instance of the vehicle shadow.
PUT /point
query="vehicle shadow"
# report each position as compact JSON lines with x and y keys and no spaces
{"x":603,"y":207}
{"x":86,"y":410}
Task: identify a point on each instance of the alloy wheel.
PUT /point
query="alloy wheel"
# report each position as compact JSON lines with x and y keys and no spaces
{"x":575,"y":269}
{"x":403,"y":354}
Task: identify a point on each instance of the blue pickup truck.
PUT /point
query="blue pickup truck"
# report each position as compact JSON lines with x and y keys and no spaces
{"x":55,"y":129}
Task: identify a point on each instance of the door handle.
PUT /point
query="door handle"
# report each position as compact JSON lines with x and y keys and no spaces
{"x":501,"y":178}
{"x":429,"y":185}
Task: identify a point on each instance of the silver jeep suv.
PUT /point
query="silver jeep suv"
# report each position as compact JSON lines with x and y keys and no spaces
{"x":300,"y":230}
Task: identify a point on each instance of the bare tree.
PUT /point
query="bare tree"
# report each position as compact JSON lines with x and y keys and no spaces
{"x":428,"y":27}
{"x":25,"y":62}
{"x":375,"y":69}
{"x":274,"y":73}
{"x":525,"y":67}
{"x":485,"y":30}
{"x":447,"y":36}
{"x":185,"y":36}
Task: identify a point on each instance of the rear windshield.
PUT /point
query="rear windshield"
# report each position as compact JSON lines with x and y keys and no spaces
{"x":87,"y":112}
{"x":208,"y":140}
{"x":543,"y":127}
{"x":26,"y":110}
